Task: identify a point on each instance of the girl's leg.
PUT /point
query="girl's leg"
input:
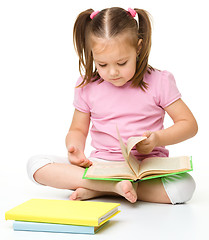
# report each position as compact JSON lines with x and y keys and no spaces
{"x":83,"y":194}
{"x":179,"y":188}
{"x":66,"y":176}
{"x":60,"y":174}
{"x":152,"y":191}
{"x":148,"y":191}
{"x":171,"y":189}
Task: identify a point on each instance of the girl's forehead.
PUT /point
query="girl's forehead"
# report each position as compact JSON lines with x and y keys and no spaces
{"x":119,"y":43}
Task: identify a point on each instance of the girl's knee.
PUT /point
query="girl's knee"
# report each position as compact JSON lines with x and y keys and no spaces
{"x":36,"y":162}
{"x":179,"y":188}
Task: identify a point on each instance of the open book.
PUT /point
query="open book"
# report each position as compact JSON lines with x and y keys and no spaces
{"x":133,"y":169}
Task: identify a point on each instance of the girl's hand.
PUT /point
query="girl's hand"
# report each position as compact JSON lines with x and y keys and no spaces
{"x":77,"y":157}
{"x":147,"y":145}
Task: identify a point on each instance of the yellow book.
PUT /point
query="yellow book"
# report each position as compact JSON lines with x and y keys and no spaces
{"x":81,"y":213}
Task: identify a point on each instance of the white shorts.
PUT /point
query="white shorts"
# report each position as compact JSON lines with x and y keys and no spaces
{"x":179,"y":188}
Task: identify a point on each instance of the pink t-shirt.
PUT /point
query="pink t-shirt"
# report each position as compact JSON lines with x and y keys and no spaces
{"x":133,"y":111}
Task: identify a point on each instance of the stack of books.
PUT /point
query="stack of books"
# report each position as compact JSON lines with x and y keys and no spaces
{"x":62,"y":216}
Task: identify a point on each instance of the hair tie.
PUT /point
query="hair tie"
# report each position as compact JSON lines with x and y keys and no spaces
{"x":132,"y":12}
{"x":94,"y":14}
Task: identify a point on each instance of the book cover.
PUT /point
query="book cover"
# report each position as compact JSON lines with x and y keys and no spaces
{"x":84,"y":213}
{"x":53,"y":227}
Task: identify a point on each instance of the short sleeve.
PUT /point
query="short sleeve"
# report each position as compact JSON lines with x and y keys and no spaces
{"x":80,"y":100}
{"x":167,"y":90}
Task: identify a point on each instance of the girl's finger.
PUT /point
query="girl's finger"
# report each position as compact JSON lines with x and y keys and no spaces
{"x":147,"y":134}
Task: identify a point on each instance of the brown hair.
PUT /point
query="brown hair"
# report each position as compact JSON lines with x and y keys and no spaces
{"x":109,"y":23}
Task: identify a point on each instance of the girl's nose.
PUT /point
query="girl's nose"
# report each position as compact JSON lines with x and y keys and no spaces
{"x":114,"y":71}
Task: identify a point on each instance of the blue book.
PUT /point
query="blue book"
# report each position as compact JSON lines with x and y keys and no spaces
{"x":52,"y":227}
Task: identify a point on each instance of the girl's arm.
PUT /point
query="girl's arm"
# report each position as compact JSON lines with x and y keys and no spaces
{"x":76,"y":138}
{"x":184,"y":127}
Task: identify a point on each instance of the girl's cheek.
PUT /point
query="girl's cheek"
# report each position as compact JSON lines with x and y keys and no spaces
{"x":101,"y":73}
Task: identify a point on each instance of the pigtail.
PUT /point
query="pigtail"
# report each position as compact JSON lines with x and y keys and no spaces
{"x":80,"y":31}
{"x":144,"y":33}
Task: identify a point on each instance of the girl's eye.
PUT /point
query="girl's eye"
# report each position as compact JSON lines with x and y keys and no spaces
{"x":102,"y":65}
{"x":122,"y":64}
{"x":119,"y":64}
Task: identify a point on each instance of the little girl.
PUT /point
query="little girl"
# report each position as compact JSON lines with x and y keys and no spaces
{"x":118,"y":87}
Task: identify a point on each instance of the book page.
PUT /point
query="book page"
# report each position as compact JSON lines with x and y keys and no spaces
{"x":157,"y":165}
{"x":122,"y":146}
{"x":133,"y":163}
{"x":129,"y":159}
{"x":116,"y":169}
{"x":132,"y":141}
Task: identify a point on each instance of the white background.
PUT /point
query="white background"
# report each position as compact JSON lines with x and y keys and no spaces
{"x":38,"y":71}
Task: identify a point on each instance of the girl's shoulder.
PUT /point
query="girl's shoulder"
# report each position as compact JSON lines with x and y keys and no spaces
{"x":156,"y":76}
{"x":159,"y":79}
{"x":80,"y":80}
{"x":162,"y":86}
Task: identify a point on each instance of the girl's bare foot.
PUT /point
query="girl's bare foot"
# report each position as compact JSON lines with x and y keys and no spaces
{"x":126,"y":189}
{"x":83,"y":194}
{"x":123,"y":188}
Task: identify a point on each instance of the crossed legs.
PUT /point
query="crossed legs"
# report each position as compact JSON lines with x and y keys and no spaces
{"x":66,"y":176}
{"x":57,"y":172}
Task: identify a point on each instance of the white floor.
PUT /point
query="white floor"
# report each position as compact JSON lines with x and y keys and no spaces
{"x":141,"y":220}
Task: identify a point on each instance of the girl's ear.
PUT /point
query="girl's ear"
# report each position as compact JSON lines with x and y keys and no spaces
{"x":139,"y":46}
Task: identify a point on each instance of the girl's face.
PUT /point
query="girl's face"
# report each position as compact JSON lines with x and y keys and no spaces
{"x":115,"y":59}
